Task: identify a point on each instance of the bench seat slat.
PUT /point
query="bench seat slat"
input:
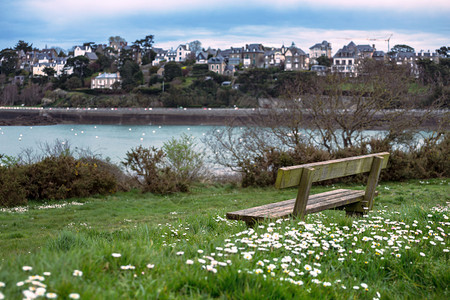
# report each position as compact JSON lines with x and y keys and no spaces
{"x":317,"y":202}
{"x":287,"y":203}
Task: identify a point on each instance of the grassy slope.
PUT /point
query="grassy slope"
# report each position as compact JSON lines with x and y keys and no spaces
{"x":60,"y":240}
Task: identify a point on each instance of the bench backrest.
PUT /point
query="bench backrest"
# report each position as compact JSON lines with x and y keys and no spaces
{"x":290,"y":176}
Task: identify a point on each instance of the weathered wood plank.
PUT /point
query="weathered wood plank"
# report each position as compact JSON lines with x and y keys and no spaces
{"x":317,"y":202}
{"x":288,"y":204}
{"x":290,"y":176}
{"x":333,"y":203}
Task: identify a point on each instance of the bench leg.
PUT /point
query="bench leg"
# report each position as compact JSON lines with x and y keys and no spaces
{"x":303,"y":192}
{"x":250,"y":223}
{"x":366,"y":204}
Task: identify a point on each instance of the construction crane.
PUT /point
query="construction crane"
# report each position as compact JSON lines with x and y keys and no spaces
{"x":386,"y":40}
{"x":369,"y":39}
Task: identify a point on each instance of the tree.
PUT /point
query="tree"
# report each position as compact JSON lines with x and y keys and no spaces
{"x":116,"y":39}
{"x":145,"y":45}
{"x":21,"y":45}
{"x":9,"y":59}
{"x":172,"y":70}
{"x":324,"y":61}
{"x":50,"y":72}
{"x":80,"y":66}
{"x":401,"y":48}
{"x":444,"y":51}
{"x":62,"y":54}
{"x":131,"y":75}
{"x":104,"y":61}
{"x":73,"y":83}
{"x":125,"y":55}
{"x":195,"y":46}
{"x":433,"y":73}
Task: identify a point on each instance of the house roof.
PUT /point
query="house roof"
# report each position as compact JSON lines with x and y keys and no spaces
{"x":324,"y":45}
{"x":237,"y":50}
{"x":159,"y":50}
{"x":295,"y":50}
{"x":379,"y":54}
{"x":211,"y":51}
{"x":347,"y":51}
{"x":91,"y":55}
{"x":365,"y":48}
{"x":318,"y":68}
{"x":85,"y":48}
{"x":108,"y":76}
{"x":216,"y":60}
{"x":202,"y":55}
{"x":184,"y":47}
{"x":257,"y":48}
{"x":43,"y":56}
{"x":224,"y":53}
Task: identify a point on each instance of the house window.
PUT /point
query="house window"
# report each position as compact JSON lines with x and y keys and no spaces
{"x":350,"y":62}
{"x":343,"y":62}
{"x":337,"y":62}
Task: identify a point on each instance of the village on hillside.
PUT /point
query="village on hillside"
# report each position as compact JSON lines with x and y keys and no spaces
{"x":318,"y":58}
{"x":119,"y":74}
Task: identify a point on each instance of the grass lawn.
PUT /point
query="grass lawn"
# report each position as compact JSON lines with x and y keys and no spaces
{"x":142,"y":246}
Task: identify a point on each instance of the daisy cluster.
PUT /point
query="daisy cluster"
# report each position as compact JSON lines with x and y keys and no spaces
{"x":303,"y":253}
{"x":34,"y":286}
{"x":22,"y":209}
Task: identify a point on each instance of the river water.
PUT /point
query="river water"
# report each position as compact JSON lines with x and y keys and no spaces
{"x":111,"y":141}
{"x":107,"y":141}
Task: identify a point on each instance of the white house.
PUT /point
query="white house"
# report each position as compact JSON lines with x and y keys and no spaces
{"x":347,"y":58}
{"x":81,"y":50}
{"x":58,"y":65}
{"x":105,"y":80}
{"x":182,"y":52}
{"x":318,"y":50}
{"x":217,"y":64}
{"x":160,"y":57}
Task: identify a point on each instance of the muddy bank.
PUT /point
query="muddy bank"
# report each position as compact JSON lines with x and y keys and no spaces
{"x":27,"y":120}
{"x":135,"y":116}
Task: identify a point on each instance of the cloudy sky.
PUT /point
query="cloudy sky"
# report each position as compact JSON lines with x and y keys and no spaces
{"x":422,"y":24}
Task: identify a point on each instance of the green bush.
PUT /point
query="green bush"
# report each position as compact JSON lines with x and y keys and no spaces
{"x":66,"y":177}
{"x":184,"y":160}
{"x":12,"y":186}
{"x":57,"y":177}
{"x":148,"y":168}
{"x":170,"y":169}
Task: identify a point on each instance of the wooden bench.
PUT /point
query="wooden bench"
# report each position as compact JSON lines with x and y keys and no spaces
{"x":355,"y":202}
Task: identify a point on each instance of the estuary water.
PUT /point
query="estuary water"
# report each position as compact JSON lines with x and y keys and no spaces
{"x":107,"y":141}
{"x":111,"y":141}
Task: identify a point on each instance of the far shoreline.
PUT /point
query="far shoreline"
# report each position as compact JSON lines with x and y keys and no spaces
{"x":38,"y":116}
